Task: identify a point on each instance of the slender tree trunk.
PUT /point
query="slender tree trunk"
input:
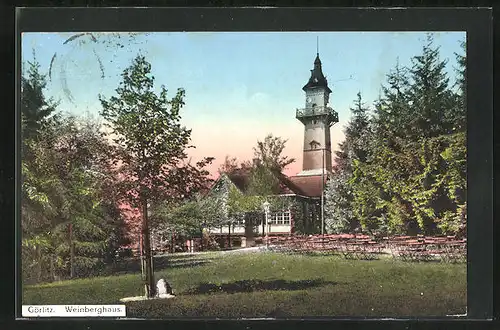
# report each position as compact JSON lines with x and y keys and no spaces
{"x":201,"y":240}
{"x":249,"y":229}
{"x":150,"y":281}
{"x":71,"y":252}
{"x":52,"y":270}
{"x":39,"y":264}
{"x":263,"y":226}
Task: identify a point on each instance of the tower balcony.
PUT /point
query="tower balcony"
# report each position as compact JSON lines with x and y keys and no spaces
{"x":305,"y":114}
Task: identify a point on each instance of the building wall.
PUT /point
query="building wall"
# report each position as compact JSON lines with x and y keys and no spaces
{"x":240,"y":230}
{"x":318,"y":131}
{"x":312,"y":160}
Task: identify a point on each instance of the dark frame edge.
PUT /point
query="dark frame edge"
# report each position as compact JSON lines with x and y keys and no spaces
{"x":480,"y":169}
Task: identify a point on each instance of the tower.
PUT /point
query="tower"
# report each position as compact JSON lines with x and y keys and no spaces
{"x":317,"y":118}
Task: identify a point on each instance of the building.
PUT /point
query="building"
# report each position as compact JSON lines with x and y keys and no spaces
{"x":307,"y":187}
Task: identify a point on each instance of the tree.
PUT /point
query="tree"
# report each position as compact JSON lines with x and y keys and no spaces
{"x":229,"y":166}
{"x":93,"y":229}
{"x":339,"y":214}
{"x":459,"y":116}
{"x":408,"y":175}
{"x":36,"y":109}
{"x":42,"y":196}
{"x":264,"y":184}
{"x":151,"y":145}
{"x":42,"y":193}
{"x":270,"y":153}
{"x":402,"y":188}
{"x":391,"y":114}
{"x":69,"y":208}
{"x":431,"y":102}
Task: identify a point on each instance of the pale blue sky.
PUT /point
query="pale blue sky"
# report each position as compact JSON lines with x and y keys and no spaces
{"x":251,"y":81}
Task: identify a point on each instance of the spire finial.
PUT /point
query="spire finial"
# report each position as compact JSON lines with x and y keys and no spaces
{"x":317,"y":45}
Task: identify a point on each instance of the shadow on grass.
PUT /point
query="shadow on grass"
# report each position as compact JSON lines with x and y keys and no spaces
{"x":258,"y":285}
{"x":159,"y":263}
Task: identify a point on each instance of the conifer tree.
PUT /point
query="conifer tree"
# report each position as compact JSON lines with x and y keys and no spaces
{"x":406,"y":176}
{"x":459,"y":116}
{"x":36,"y":109}
{"x":339,"y":215}
{"x":430,"y":97}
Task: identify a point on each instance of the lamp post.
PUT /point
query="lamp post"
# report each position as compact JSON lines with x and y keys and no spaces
{"x":266,"y":211}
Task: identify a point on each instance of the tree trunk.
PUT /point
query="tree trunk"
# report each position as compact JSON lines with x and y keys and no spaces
{"x":52,"y":268}
{"x":263,"y":225}
{"x":146,"y":241}
{"x":249,"y":229}
{"x":71,"y":252}
{"x":38,"y":254}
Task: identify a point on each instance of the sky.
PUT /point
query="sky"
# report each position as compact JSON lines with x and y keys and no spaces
{"x":240,"y":86}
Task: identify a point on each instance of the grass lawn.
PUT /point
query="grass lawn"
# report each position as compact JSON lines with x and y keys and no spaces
{"x":274,"y":285}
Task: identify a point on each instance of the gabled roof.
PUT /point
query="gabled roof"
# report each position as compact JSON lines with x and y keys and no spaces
{"x":310,"y":184}
{"x":241,"y":178}
{"x":289,"y":187}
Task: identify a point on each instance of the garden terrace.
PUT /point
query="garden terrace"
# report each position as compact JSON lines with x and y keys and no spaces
{"x":406,"y":248}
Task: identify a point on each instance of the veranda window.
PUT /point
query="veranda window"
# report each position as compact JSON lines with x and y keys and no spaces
{"x":280,"y":218}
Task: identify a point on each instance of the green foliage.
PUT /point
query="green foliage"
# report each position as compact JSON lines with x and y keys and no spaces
{"x":36,"y":109}
{"x":150,"y":139}
{"x":66,"y":180}
{"x":341,"y":213}
{"x":263,"y":185}
{"x":408,"y":175}
{"x":269,"y":153}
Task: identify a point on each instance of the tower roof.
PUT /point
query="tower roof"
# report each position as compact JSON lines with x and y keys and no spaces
{"x":317,"y":79}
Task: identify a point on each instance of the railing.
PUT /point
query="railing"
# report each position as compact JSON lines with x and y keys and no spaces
{"x":317,"y":111}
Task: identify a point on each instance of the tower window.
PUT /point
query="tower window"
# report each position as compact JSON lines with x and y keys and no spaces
{"x":314,"y":144}
{"x":315,"y":121}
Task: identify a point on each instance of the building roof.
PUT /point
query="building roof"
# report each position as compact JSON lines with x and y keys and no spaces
{"x":309,"y":184}
{"x":317,"y":79}
{"x":240,"y":178}
{"x":288,"y":186}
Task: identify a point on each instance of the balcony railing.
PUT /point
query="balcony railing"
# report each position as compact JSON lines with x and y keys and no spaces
{"x":317,"y":112}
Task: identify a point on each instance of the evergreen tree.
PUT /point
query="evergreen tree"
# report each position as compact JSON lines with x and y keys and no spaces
{"x":391,"y":115}
{"x":91,"y":230}
{"x":431,"y":101}
{"x":42,"y":193}
{"x":459,"y":116}
{"x":36,"y":109}
{"x":339,"y":214}
{"x":405,"y":181}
